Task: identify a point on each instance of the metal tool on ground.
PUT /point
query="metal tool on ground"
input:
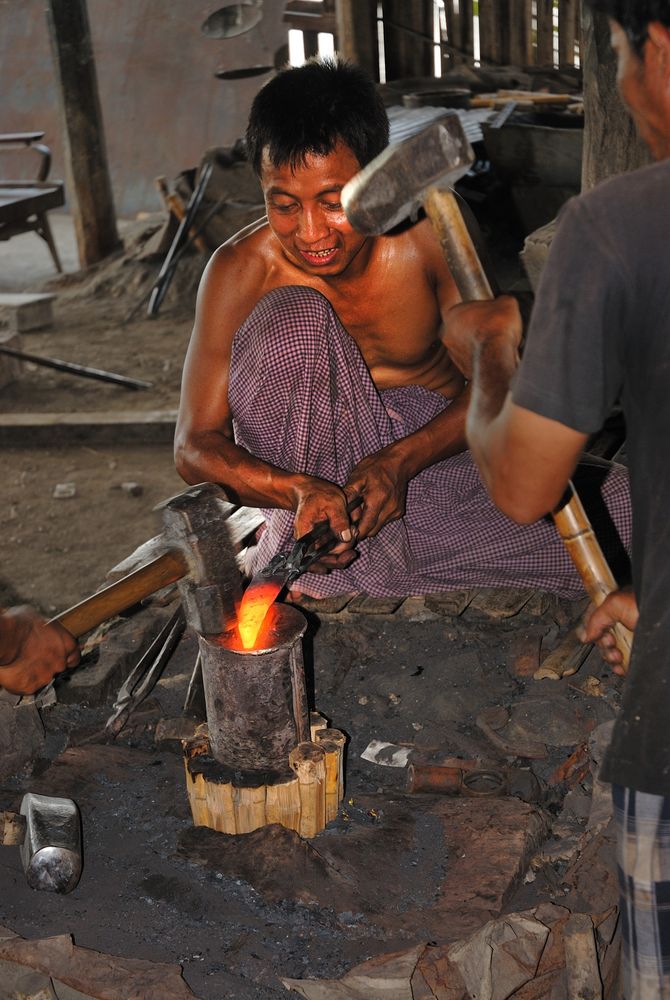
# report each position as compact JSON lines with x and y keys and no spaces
{"x":73,"y":369}
{"x":167,"y":269}
{"x":199,"y":556}
{"x":146,"y":674}
{"x":47,"y":831}
{"x":282,"y":570}
{"x":477,"y":782}
{"x":420,"y":172}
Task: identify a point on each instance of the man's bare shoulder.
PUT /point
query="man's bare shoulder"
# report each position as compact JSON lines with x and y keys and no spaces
{"x":243,"y":257}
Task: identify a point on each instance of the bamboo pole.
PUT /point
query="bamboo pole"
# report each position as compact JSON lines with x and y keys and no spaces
{"x":282,"y":804}
{"x":317,"y":722}
{"x":336,"y":736}
{"x":332,"y":752}
{"x":308,"y":762}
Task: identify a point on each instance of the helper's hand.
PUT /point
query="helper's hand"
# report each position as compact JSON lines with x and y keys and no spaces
{"x":619,"y":606}
{"x":470,"y":323}
{"x":318,"y":501}
{"x":382,"y":482}
{"x":32,"y":651}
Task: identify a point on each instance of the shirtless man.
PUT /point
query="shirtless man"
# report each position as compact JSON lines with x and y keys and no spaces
{"x":317,"y":371}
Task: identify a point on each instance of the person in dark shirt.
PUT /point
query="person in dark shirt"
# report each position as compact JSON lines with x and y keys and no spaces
{"x":32,"y":651}
{"x":600,"y":332}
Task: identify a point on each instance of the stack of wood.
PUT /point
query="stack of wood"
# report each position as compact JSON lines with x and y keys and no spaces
{"x":304,"y":803}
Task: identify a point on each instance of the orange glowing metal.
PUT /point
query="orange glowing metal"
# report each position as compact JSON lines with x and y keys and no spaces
{"x":256,"y":602}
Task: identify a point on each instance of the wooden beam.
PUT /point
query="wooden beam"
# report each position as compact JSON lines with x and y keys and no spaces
{"x":466,"y":44}
{"x":520,"y":50}
{"x":87,"y":174}
{"x":611,"y":145}
{"x":357,"y":33}
{"x":408,"y":34}
{"x":545,"y":33}
{"x":489,"y":32}
{"x":568,"y":31}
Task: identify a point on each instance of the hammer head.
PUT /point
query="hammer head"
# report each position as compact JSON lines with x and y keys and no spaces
{"x":51,"y":850}
{"x":392,"y":186}
{"x":195,"y":522}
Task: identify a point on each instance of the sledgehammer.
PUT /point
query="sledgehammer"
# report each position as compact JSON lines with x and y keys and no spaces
{"x":421,"y":171}
{"x":48,"y":833}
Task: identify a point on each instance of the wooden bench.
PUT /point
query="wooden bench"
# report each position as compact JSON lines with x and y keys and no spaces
{"x":24,"y":203}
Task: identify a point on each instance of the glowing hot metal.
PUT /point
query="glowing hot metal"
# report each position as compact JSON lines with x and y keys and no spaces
{"x":253,"y":610}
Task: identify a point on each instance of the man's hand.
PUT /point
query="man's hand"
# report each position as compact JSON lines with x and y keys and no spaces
{"x":471,"y":324}
{"x":619,"y":606}
{"x":318,"y":501}
{"x":32,"y":651}
{"x":382,"y":482}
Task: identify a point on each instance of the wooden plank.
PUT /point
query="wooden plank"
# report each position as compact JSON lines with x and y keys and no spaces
{"x":450,"y":604}
{"x":497,"y":603}
{"x":357,"y":33}
{"x":544,"y":54}
{"x":89,"y":184}
{"x":568,"y":26}
{"x":364,"y":605}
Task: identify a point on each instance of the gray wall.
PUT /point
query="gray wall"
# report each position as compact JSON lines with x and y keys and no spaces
{"x":161,"y":104}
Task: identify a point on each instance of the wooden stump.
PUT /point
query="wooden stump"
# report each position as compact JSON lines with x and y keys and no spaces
{"x":222,"y":800}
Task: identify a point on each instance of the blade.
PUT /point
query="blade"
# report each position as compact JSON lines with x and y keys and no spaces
{"x":257,"y":600}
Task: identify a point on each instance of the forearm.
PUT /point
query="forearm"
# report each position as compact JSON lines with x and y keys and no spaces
{"x":210,"y":456}
{"x":494,"y":362}
{"x":440,"y":438}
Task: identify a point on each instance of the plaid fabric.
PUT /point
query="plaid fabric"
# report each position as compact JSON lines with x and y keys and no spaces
{"x":302,"y":398}
{"x":643,"y":861}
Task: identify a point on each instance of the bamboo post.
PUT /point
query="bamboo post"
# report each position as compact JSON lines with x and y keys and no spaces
{"x":308,"y":762}
{"x":282,"y":804}
{"x":338,"y":737}
{"x":249,"y":808}
{"x":317,"y":722}
{"x":333,"y":755}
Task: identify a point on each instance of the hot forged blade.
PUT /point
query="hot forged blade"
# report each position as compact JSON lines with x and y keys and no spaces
{"x":257,"y":600}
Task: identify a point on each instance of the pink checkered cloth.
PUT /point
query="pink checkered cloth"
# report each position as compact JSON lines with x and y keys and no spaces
{"x":302,"y":399}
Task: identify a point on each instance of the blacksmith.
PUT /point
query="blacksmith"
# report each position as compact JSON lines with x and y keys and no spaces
{"x":32,"y":651}
{"x":317,"y":371}
{"x":601,"y":331}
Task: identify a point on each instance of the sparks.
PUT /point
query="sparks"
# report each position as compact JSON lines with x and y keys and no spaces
{"x":256,"y":602}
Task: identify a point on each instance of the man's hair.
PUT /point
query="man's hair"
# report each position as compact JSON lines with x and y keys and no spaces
{"x":634,"y":16}
{"x":306,"y":110}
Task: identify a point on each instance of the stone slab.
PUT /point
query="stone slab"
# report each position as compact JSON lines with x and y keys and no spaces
{"x":22,"y":312}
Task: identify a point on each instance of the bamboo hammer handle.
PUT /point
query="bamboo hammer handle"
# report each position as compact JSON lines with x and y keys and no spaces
{"x":94,"y":610}
{"x":570,"y":518}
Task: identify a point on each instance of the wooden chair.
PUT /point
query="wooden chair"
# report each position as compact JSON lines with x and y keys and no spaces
{"x":24,"y":203}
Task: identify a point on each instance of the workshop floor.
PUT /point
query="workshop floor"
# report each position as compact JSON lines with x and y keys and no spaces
{"x":393,"y":870}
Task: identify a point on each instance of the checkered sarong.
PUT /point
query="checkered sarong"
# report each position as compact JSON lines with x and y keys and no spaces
{"x":302,"y":399}
{"x":643,"y":862}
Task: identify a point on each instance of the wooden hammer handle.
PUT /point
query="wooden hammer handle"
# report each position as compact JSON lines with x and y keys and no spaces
{"x":119,"y":596}
{"x":570,"y":519}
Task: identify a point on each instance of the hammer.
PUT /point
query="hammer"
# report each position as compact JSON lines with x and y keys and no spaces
{"x":48,"y":832}
{"x":421,"y":171}
{"x":199,"y":553}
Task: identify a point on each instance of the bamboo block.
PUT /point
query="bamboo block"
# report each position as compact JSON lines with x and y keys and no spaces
{"x":282,"y":804}
{"x":308,"y":760}
{"x":332,"y":752}
{"x":338,"y":737}
{"x":316,"y":723}
{"x":249,"y":808}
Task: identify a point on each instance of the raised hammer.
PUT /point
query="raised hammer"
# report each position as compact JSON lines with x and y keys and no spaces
{"x":420,"y":172}
{"x":48,"y":833}
{"x":198,"y":552}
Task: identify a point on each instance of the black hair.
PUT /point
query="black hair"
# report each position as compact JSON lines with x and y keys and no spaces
{"x":634,"y":16}
{"x":305,"y":110}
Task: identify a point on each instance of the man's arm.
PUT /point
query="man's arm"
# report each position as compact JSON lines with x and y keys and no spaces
{"x":32,"y":651}
{"x":204,"y":445}
{"x":525,"y":459}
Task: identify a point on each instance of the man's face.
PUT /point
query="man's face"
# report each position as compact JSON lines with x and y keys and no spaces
{"x":643,"y":87}
{"x":306,"y":215}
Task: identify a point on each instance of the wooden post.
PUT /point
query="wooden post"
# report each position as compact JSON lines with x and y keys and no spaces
{"x":489,"y":31}
{"x":88,"y":184}
{"x":308,"y":760}
{"x":357,"y":33}
{"x":520,"y":52}
{"x":545,"y":33}
{"x":333,"y":741}
{"x":611,"y":145}
{"x":408,"y":34}
{"x":282,"y":804}
{"x":567,"y":31}
{"x":466,"y":43}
